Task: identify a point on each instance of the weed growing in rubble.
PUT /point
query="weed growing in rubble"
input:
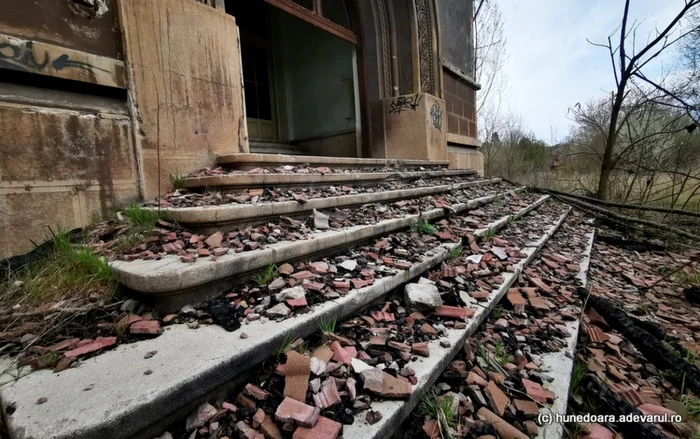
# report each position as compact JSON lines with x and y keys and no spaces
{"x":265,"y":276}
{"x":498,"y":311}
{"x":424,"y":228}
{"x":286,"y":343}
{"x":176,"y":180}
{"x":327,"y":327}
{"x":69,"y":270}
{"x":490,"y":233}
{"x":501,"y":354}
{"x":142,"y":219}
{"x":454,"y":253}
{"x":580,"y":369}
{"x":442,"y":410}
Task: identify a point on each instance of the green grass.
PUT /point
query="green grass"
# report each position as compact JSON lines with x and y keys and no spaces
{"x":286,"y":343}
{"x":176,"y":180}
{"x":454,"y":253}
{"x":69,"y":270}
{"x":498,"y":311}
{"x":140,"y":218}
{"x":440,"y":410}
{"x":265,"y":276}
{"x":424,"y":228}
{"x":490,"y":233}
{"x":327,"y":327}
{"x":691,"y":404}
{"x":501,"y":355}
{"x":577,"y":374}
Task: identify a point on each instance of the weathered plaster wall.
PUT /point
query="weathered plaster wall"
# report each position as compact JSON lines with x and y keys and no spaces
{"x":58,"y":168}
{"x":466,"y":158}
{"x":186,"y":85}
{"x":415,"y":127}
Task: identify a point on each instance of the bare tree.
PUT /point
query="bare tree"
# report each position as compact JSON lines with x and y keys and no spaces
{"x":628,"y":63}
{"x":489,"y":58}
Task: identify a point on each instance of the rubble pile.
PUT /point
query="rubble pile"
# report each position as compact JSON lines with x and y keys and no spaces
{"x":499,"y":382}
{"x":171,"y":239}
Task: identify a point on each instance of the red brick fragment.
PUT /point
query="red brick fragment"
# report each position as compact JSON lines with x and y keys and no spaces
{"x":293,"y":411}
{"x":99,"y":343}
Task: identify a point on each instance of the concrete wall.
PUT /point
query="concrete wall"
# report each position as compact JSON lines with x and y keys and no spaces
{"x":466,"y":158}
{"x":65,"y":158}
{"x":315,"y":79}
{"x":186,"y":84}
{"x":72,"y":146}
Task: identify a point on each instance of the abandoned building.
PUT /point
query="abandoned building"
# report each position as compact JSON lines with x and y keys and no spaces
{"x":102,"y":101}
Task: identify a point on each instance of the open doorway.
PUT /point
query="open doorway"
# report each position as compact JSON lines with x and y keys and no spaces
{"x":300,"y":76}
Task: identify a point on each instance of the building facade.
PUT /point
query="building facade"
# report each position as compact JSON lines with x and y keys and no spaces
{"x":102,"y":101}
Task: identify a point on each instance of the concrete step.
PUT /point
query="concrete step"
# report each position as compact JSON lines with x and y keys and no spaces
{"x":133,"y":395}
{"x":389,"y":422}
{"x":276,"y":148}
{"x":174,"y":283}
{"x":266,"y":178}
{"x":208,"y":219}
{"x":251,"y":161}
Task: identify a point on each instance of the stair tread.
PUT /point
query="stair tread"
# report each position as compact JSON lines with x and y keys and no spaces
{"x":251,"y":159}
{"x":242,"y":179}
{"x":254,"y":207}
{"x":169,"y":275}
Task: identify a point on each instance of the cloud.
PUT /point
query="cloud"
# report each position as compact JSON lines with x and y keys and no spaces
{"x":551,"y":67}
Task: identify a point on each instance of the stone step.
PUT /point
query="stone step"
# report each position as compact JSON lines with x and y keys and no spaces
{"x":135,"y":394}
{"x":251,"y":161}
{"x":355,"y":176}
{"x":208,"y":219}
{"x":261,"y":147}
{"x":174,"y":283}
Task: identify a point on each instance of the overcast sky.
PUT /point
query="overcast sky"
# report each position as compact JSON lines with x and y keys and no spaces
{"x":551,"y":67}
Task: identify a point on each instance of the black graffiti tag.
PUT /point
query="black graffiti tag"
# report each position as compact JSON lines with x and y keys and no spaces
{"x":436,"y":115}
{"x":21,"y":57}
{"x":405,"y":103}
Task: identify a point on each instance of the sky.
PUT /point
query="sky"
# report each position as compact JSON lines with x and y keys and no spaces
{"x":550,"y":66}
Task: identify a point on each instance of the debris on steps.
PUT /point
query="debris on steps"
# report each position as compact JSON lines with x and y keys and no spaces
{"x":508,"y":372}
{"x":382,"y":353}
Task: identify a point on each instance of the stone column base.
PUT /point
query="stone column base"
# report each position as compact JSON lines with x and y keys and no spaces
{"x":415,"y":127}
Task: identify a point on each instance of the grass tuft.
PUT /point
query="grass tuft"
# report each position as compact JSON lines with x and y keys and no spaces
{"x":455,"y":253}
{"x":440,"y":409}
{"x":286,"y":343}
{"x":327,"y":327}
{"x":265,"y":276}
{"x":423,"y":228}
{"x":140,"y":218}
{"x":176,"y":180}
{"x":68,"y":271}
{"x":501,"y":355}
{"x":577,"y":374}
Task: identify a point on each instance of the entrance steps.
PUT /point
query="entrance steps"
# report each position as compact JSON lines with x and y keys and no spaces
{"x":251,"y":161}
{"x":134,"y":395}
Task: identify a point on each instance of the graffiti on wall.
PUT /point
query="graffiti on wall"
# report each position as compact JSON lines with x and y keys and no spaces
{"x":51,"y":60}
{"x":23,"y":57}
{"x":403,"y":103}
{"x":436,"y":115}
